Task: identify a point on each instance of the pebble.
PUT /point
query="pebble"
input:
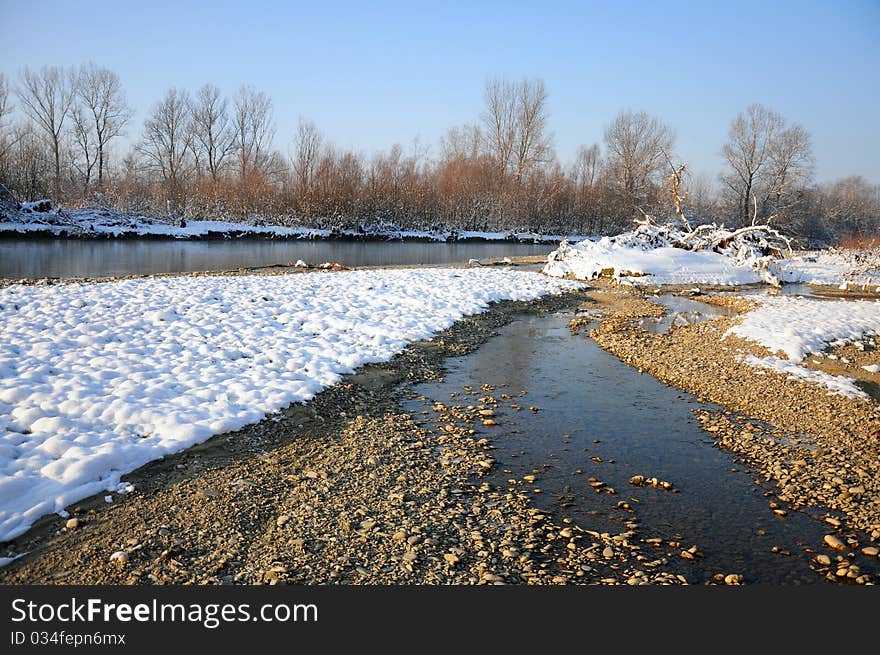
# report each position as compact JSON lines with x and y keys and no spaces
{"x":608,"y":553}
{"x":834,"y":543}
{"x":870,"y":551}
{"x":119,"y":556}
{"x":281,"y":520}
{"x":732,"y":579}
{"x":72,"y":524}
{"x":823,"y":559}
{"x":451,"y":558}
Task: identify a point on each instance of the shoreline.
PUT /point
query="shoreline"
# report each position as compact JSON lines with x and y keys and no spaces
{"x":346,"y":489}
{"x":821,"y":451}
{"x":287,"y":483}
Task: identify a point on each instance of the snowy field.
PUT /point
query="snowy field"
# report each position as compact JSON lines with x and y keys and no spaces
{"x":800,"y":327}
{"x":98,"y":379}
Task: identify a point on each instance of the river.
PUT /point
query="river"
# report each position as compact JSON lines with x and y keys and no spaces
{"x":23,"y":258}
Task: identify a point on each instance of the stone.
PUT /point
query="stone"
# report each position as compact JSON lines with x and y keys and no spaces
{"x":830,"y":520}
{"x":282,"y":520}
{"x":823,"y":560}
{"x":608,"y":553}
{"x":834,"y":543}
{"x":119,"y":556}
{"x":732,"y":579}
{"x":72,"y":524}
{"x":400,"y":535}
{"x":870,"y":551}
{"x":451,"y":558}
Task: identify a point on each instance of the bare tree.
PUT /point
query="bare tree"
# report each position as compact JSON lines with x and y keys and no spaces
{"x":7,"y":135}
{"x":47,"y":97}
{"x":635,"y":144}
{"x":499,"y":119}
{"x":213,"y":136}
{"x":87,"y":147}
{"x":306,"y":153}
{"x":254,"y":131}
{"x":751,"y":137}
{"x":766,"y":162}
{"x":532,"y":143}
{"x":587,"y":166}
{"x":102,"y":99}
{"x":166,"y":142}
{"x":790,"y":166}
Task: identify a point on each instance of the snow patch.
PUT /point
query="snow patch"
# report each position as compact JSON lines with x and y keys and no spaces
{"x":801,"y":326}
{"x":837,"y":385}
{"x":96,"y":380}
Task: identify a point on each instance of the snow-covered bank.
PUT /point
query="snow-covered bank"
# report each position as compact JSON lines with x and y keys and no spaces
{"x":836,"y":385}
{"x":99,"y":379}
{"x":588,"y":260}
{"x":109,"y":224}
{"x":801,"y":326}
{"x":668,"y":254}
{"x":665,"y":255}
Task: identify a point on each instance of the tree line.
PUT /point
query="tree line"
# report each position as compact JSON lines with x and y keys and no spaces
{"x":204,"y":155}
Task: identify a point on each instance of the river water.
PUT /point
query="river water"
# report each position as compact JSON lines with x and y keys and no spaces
{"x":593,"y":405}
{"x":64,"y":258}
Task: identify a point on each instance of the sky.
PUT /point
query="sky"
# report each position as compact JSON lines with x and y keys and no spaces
{"x":371,"y":74}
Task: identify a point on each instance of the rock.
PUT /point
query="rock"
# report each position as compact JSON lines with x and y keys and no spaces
{"x":834,"y":543}
{"x":400,"y":535}
{"x":488,"y":413}
{"x":870,"y":551}
{"x":451,"y":558}
{"x":733,"y":579}
{"x":823,"y":560}
{"x":608,"y":553}
{"x":119,"y":556}
{"x":565,"y":532}
{"x":488,"y":422}
{"x":529,"y":478}
{"x":415,"y":539}
{"x":72,"y":524}
{"x":637,"y":480}
{"x":830,"y":520}
{"x":281,"y":520}
{"x":367,"y":525}
{"x":209,"y":493}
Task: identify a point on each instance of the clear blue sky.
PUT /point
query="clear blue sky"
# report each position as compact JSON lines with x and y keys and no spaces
{"x":371,"y":74}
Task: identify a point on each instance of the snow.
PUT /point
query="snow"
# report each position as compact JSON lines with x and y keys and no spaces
{"x":832,"y":267}
{"x":96,"y":380}
{"x":872,"y":368}
{"x":800,"y":326}
{"x":835,"y":384}
{"x":666,"y":265}
{"x":108,"y":223}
